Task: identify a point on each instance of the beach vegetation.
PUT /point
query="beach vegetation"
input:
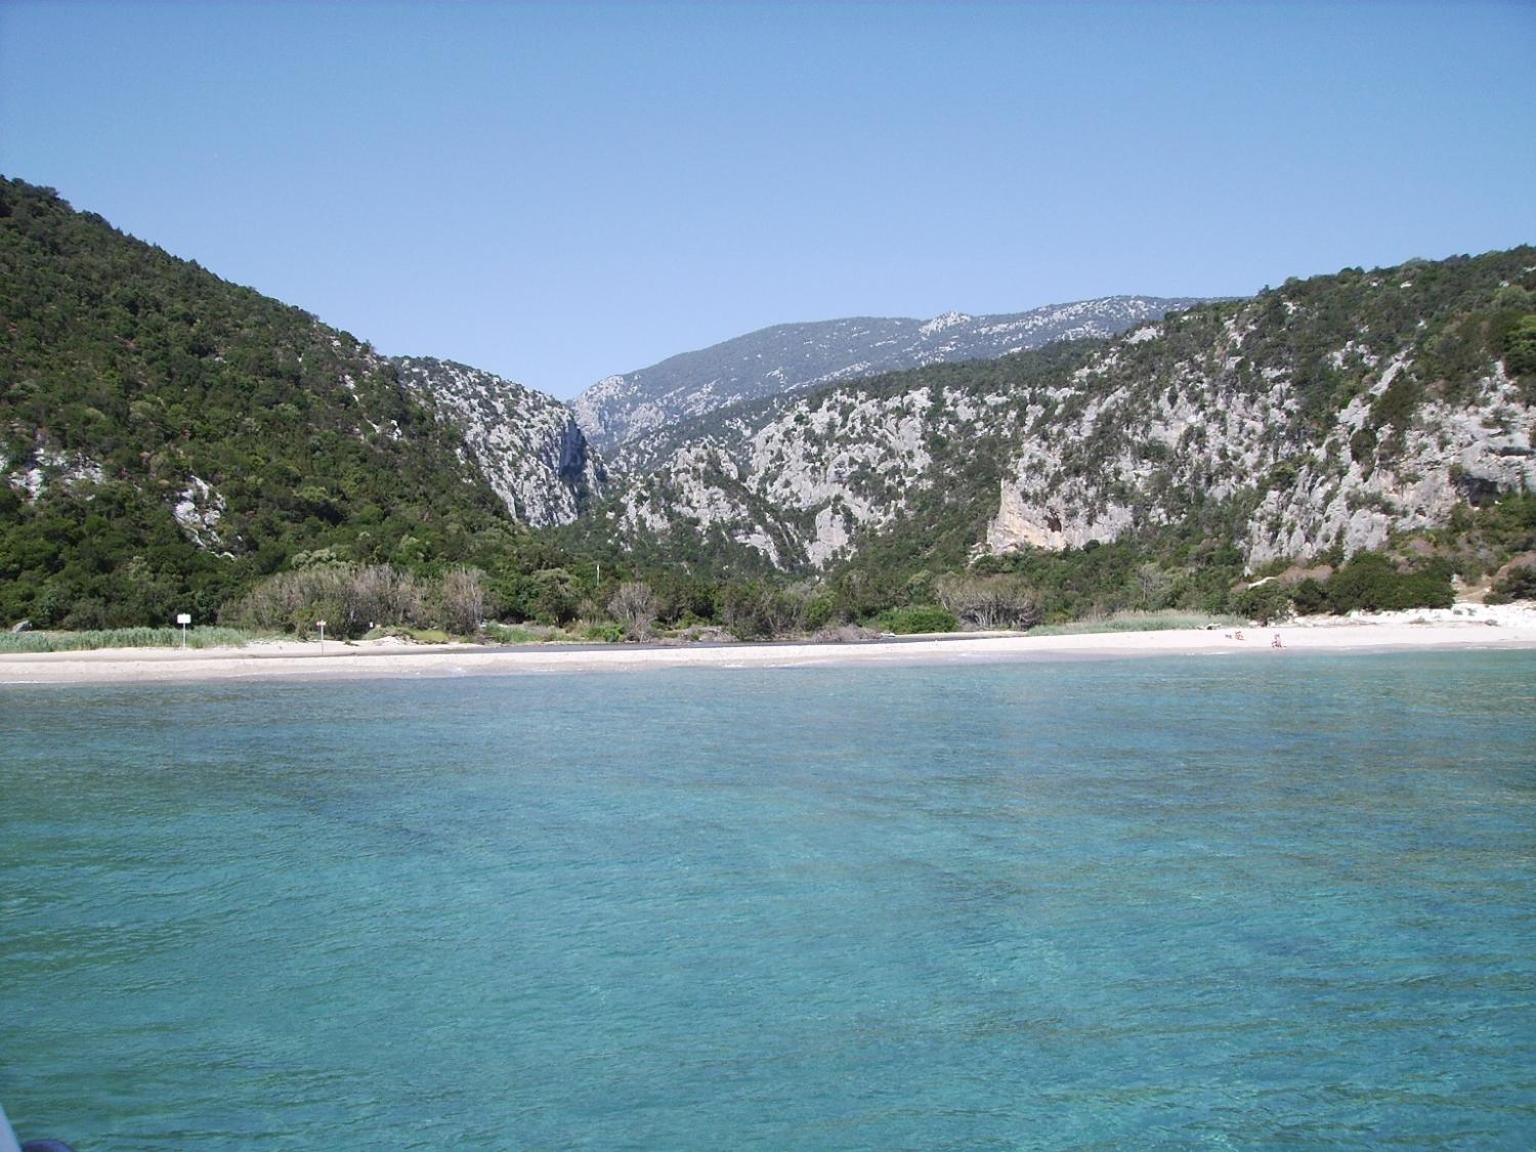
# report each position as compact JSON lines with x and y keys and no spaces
{"x":1165,"y":620}
{"x":989,"y":602}
{"x":89,"y":640}
{"x":1309,"y":597}
{"x":548,"y":596}
{"x":634,"y":606}
{"x":402,"y":632}
{"x":460,"y":601}
{"x":355,"y":600}
{"x":510,"y":633}
{"x":1264,"y":602}
{"x":915,"y":619}
{"x":763,"y":609}
{"x":1372,"y":582}
{"x":1517,"y":583}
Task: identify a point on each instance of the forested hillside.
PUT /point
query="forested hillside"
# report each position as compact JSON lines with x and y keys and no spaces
{"x":170,"y":442}
{"x":166,"y":438}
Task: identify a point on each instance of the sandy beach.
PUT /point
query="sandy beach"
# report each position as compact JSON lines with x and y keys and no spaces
{"x":1468,"y":626}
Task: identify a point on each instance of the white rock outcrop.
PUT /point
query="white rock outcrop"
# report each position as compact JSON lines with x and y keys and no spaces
{"x":528,"y":445}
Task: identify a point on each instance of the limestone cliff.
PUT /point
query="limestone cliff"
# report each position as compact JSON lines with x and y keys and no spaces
{"x":1336,"y":410}
{"x":526,"y":444}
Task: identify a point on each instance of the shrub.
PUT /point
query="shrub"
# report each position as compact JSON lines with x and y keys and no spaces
{"x":554,"y":597}
{"x":989,"y":602}
{"x":294,"y":601}
{"x":1520,"y":348}
{"x":1310,"y":597}
{"x":1519,"y":583}
{"x":1264,"y":602}
{"x":351,"y":600}
{"x":384,"y":595}
{"x":919,"y":618}
{"x":634,"y":606}
{"x":461,"y":601}
{"x":504,"y":634}
{"x":757,"y":610}
{"x":820,"y":611}
{"x":1371,"y":582}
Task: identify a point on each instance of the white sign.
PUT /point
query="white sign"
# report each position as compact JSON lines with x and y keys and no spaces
{"x":183,"y":618}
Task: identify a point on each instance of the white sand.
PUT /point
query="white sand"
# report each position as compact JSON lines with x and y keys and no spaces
{"x":1466,"y":627}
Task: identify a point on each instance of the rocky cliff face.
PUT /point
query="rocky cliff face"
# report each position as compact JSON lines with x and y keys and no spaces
{"x":1338,"y":410}
{"x":527,"y":444}
{"x":792,"y":357}
{"x":1216,"y":435}
{"x":799,"y":481}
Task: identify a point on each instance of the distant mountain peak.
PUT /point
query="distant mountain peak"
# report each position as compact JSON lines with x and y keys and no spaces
{"x":1326,"y":415}
{"x":788,"y":357}
{"x":943,"y":321}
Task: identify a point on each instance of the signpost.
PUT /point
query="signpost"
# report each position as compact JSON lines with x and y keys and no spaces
{"x":183,"y":618}
{"x":320,"y":624}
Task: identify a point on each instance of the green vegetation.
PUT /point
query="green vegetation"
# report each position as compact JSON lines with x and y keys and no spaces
{"x":1370,"y":582}
{"x":1164,"y":621}
{"x":1519,"y":583}
{"x":511,"y":634}
{"x":170,"y":442}
{"x":1270,"y":601}
{"x":1519,"y":339}
{"x":356,"y":600}
{"x":122,"y":638}
{"x":130,"y":376}
{"x":916,"y":619}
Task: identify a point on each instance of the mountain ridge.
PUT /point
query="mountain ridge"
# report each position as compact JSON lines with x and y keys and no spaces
{"x":622,"y":408}
{"x":1336,"y":410}
{"x":169,"y":440}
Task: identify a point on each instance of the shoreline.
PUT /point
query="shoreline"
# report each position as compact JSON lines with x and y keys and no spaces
{"x":295,"y":660}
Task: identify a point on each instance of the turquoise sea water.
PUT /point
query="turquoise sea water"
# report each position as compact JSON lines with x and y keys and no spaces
{"x":1285,"y":901}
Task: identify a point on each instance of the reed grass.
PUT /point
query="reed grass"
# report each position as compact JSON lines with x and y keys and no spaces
{"x":415,"y":635}
{"x":21,"y":642}
{"x":510,"y":634}
{"x":1165,"y":621}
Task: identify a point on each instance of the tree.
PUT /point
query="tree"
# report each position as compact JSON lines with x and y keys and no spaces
{"x":1520,"y":348}
{"x":1265,"y":602}
{"x":634,"y":606}
{"x":989,"y":602}
{"x":463,"y":600}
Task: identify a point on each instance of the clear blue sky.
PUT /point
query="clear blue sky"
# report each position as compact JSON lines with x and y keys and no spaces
{"x":556,"y":192}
